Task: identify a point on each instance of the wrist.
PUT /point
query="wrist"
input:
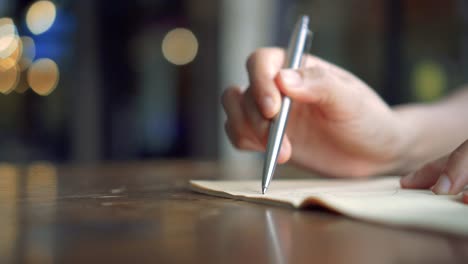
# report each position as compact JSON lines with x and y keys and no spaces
{"x":404,"y":152}
{"x":410,"y":151}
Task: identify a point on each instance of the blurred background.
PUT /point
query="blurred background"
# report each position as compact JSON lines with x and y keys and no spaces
{"x":92,"y":81}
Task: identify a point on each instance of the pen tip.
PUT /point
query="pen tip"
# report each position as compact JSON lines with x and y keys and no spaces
{"x":264,"y":190}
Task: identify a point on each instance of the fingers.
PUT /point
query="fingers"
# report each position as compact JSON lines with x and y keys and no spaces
{"x":325,"y":84}
{"x":448,"y":175}
{"x":318,"y":82}
{"x":425,"y":177}
{"x":256,"y":120}
{"x":262,"y":66}
{"x":454,"y":177}
{"x":305,"y":85}
{"x":237,"y":128}
{"x":245,"y":126}
{"x":249,"y":114}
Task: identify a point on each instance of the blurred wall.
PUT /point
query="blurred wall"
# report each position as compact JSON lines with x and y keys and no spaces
{"x":245,"y":26}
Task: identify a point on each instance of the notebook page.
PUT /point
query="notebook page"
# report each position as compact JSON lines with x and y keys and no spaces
{"x":377,"y":200}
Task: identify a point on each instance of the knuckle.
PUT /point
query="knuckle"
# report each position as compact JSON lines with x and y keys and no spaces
{"x":226,"y":97}
{"x":252,"y":59}
{"x":260,"y":54}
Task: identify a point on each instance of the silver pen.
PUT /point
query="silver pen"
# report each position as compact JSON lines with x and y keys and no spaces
{"x":297,"y":45}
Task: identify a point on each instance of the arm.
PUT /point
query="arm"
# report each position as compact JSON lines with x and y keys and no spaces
{"x":432,"y":129}
{"x":438,"y":129}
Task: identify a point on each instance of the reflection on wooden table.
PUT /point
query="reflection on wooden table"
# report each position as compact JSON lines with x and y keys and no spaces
{"x":142,"y":212}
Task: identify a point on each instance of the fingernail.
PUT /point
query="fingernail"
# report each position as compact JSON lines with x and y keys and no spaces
{"x":443,"y":185}
{"x":291,"y":78}
{"x":268,"y":104}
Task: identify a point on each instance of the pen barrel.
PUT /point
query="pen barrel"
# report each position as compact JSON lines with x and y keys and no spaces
{"x":275,"y":138}
{"x":297,"y":44}
{"x":296,"y":49}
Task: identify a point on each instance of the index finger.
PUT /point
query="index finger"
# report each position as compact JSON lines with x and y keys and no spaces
{"x":262,"y":67}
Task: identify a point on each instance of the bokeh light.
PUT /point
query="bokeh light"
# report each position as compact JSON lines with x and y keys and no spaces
{"x":180,"y":46}
{"x":29,"y":53}
{"x":8,"y":37}
{"x":13,"y":58}
{"x":43,"y":76}
{"x":40,"y":16}
{"x":9,"y":79}
{"x":22,"y":85}
{"x":429,"y":81}
{"x":10,"y":53}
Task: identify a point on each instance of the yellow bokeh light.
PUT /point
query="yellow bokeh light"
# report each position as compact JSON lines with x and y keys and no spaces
{"x":40,"y":16}
{"x":180,"y":46}
{"x":429,"y":81}
{"x":29,"y":53}
{"x":8,"y":37}
{"x":13,"y":58}
{"x":43,"y":76}
{"x":9,"y":79}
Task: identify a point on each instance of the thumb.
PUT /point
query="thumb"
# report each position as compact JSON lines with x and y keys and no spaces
{"x":310,"y":85}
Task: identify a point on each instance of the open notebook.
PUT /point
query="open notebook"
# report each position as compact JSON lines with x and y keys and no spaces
{"x":378,"y":200}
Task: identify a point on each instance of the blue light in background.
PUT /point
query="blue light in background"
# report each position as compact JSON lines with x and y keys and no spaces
{"x":55,"y":43}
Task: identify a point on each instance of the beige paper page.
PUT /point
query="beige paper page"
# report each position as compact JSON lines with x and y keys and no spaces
{"x":377,"y":200}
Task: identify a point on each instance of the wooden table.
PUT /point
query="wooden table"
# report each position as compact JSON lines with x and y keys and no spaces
{"x":142,"y":212}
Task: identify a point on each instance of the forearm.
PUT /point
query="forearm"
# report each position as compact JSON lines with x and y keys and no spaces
{"x":432,"y":130}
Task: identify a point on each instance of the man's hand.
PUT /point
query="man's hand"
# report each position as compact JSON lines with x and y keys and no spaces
{"x":447,"y":175}
{"x":338,"y":126}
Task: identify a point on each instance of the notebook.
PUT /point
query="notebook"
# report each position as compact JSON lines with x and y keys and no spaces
{"x":379,"y":200}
